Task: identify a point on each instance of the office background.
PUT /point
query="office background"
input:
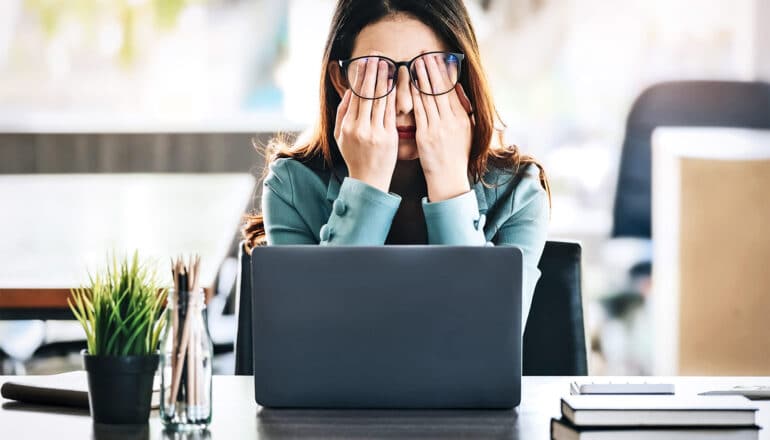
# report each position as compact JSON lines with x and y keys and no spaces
{"x":184,"y":86}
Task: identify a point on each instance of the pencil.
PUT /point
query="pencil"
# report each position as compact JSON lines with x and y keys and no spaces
{"x":174,"y":325}
{"x":187,"y":331}
{"x":181,"y":353}
{"x":190,"y":368}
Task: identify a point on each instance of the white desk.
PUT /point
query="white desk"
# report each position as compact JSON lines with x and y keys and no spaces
{"x":57,"y":227}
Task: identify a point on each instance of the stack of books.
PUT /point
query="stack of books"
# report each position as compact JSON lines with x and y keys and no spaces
{"x":598,"y":417}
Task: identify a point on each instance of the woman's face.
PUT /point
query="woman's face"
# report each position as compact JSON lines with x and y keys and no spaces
{"x":399,"y":38}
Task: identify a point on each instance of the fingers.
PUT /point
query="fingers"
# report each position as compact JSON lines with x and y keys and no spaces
{"x":355,"y":101}
{"x":390,"y":109}
{"x":440,"y":82}
{"x":450,"y":76}
{"x":342,"y":109}
{"x":367,"y":89}
{"x":464,"y":100}
{"x":381,"y":87}
{"x":420,"y":118}
{"x":456,"y":101}
{"x":453,"y":71}
{"x":428,"y":101}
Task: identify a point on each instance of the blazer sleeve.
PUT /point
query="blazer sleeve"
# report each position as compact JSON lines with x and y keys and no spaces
{"x":457,"y":221}
{"x":283,"y":223}
{"x":361,"y":215}
{"x":527,"y":229}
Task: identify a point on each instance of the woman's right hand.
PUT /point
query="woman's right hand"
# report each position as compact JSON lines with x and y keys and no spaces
{"x":365,"y":129}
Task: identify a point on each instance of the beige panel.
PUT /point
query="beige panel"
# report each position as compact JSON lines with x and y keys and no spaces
{"x":725,"y":267}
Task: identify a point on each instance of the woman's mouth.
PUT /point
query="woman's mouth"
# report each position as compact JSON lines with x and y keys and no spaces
{"x":406,"y":131}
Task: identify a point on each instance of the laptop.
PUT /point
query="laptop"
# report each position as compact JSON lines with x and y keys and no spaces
{"x":411,"y":326}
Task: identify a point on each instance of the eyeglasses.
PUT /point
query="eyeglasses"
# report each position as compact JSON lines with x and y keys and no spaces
{"x":432,"y":73}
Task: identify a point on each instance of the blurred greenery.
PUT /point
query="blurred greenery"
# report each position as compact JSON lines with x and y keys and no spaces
{"x":167,"y":11}
{"x":130,"y":14}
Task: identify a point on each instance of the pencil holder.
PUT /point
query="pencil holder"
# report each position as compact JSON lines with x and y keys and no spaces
{"x":186,"y":352}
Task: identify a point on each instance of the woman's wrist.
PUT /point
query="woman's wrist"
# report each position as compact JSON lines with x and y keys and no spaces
{"x":440,"y":190}
{"x":380,"y":182}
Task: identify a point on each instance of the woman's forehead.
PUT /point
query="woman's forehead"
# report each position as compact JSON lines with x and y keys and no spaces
{"x":400,"y":38}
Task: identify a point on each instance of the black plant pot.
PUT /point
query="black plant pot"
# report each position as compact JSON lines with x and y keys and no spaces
{"x":120,"y":387}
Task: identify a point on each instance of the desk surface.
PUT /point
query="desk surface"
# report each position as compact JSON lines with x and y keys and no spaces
{"x":237,"y":416}
{"x":57,"y":227}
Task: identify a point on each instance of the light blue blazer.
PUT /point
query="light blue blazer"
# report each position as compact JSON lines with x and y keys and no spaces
{"x":305,"y":204}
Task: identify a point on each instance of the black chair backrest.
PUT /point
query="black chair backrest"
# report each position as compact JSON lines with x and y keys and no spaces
{"x":678,"y":103}
{"x":244,"y":342}
{"x":554,"y":338}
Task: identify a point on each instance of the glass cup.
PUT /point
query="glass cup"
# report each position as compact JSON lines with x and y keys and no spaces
{"x":186,"y":353}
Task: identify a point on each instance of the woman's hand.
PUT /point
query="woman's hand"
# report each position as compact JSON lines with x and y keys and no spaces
{"x":443,"y":133}
{"x":365,"y":129}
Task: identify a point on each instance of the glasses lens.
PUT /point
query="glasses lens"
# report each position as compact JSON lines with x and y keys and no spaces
{"x":371,"y":77}
{"x":436,"y":73}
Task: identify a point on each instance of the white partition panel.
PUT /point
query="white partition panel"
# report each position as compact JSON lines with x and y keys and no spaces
{"x":711,"y":240}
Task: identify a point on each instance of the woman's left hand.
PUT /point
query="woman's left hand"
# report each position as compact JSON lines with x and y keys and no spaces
{"x":443,"y":132}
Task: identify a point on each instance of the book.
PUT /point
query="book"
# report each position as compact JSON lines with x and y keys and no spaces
{"x":563,"y":430}
{"x":579,"y":387}
{"x":603,"y":410}
{"x":65,"y":389}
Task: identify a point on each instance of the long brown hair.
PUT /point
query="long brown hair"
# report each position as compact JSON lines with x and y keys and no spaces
{"x":451,"y":22}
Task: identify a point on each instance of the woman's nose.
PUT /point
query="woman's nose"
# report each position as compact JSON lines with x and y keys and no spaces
{"x":403,"y":92}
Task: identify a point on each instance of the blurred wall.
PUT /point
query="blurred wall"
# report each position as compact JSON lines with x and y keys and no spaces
{"x":762,"y":39}
{"x":131,"y":152}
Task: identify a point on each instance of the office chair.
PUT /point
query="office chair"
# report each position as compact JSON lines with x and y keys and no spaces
{"x":244,"y":345}
{"x":554,"y":338}
{"x":677,"y":103}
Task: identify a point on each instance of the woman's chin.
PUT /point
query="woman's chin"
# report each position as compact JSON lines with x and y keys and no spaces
{"x":407,"y":149}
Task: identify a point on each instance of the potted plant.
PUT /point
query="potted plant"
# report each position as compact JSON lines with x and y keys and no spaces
{"x":122,"y":312}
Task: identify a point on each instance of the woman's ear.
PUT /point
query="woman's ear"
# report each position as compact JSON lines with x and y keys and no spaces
{"x":335,"y":74}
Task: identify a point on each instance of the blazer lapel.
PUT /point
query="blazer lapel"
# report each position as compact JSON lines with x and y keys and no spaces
{"x":481,"y":197}
{"x":337,"y":175}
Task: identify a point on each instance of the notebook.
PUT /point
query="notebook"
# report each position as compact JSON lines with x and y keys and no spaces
{"x":563,"y":430}
{"x":65,"y":389}
{"x":580,"y":387}
{"x":602,"y":410}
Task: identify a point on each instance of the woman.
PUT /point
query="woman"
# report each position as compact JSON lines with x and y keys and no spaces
{"x":405,"y":150}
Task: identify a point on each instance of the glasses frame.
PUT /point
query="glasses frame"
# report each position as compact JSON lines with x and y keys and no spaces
{"x":408,"y":64}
